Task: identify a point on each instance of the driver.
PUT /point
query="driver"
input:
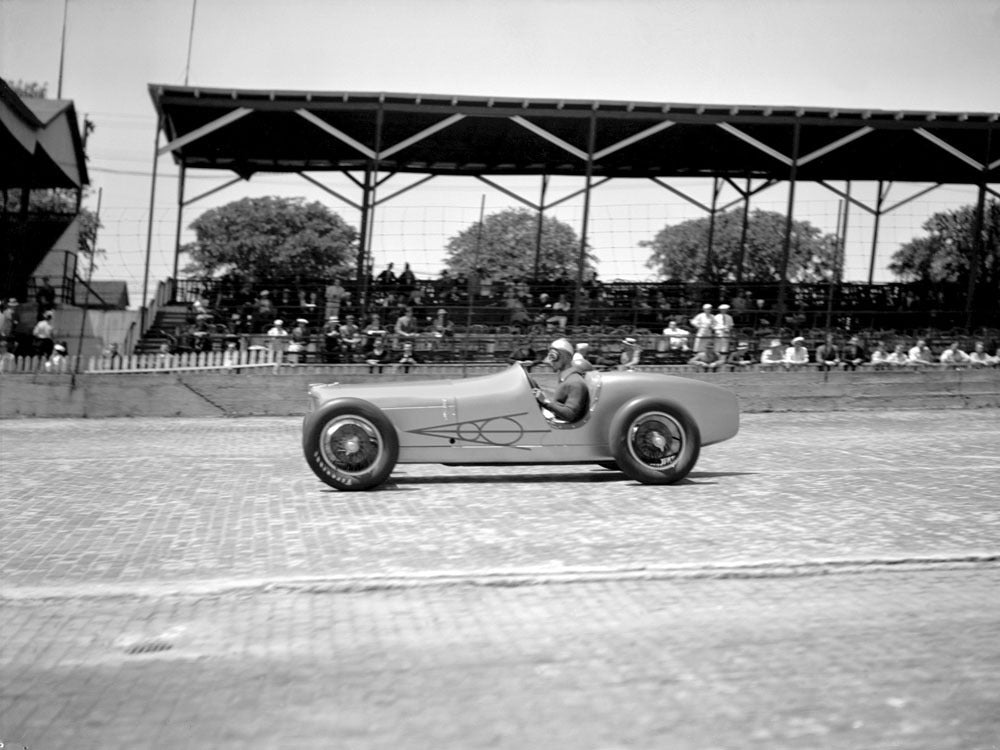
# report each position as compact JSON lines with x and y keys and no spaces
{"x":569,"y":402}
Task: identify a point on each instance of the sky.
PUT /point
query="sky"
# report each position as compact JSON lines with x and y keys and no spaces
{"x":923,"y":55}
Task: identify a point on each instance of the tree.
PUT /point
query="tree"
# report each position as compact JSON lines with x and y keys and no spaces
{"x":945,"y":254}
{"x":271,"y":238}
{"x":506,"y":247}
{"x":678,"y":251}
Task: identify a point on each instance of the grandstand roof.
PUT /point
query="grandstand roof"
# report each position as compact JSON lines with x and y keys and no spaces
{"x":40,"y":144}
{"x":249,"y":131}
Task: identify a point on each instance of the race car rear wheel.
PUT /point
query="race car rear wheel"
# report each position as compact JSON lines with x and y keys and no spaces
{"x":350,"y":444}
{"x":655,"y":442}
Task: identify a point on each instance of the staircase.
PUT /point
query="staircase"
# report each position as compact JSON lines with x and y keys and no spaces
{"x":168,"y":319}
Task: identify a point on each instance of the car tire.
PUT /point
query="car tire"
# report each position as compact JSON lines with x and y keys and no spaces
{"x":350,"y":444}
{"x":654,"y":442}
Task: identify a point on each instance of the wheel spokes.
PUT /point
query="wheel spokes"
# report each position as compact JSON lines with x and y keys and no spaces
{"x":656,"y":440}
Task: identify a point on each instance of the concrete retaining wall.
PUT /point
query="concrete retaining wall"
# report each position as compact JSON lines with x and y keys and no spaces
{"x":267,"y":393}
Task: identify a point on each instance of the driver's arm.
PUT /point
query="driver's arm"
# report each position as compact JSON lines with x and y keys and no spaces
{"x":569,"y":402}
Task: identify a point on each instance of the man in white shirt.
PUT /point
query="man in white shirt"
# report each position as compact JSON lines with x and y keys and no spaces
{"x":704,"y":327}
{"x":953,"y":356}
{"x":723,"y":327}
{"x":796,"y":356}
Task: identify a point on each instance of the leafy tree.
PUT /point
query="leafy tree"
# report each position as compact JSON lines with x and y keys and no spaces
{"x":678,"y":251}
{"x":29,"y":89}
{"x":271,"y":238}
{"x":945,"y":254}
{"x":507,"y":245}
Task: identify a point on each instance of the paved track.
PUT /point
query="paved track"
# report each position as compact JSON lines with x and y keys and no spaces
{"x":168,"y":582}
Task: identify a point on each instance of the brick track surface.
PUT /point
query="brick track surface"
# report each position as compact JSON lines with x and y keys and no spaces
{"x":823,"y":580}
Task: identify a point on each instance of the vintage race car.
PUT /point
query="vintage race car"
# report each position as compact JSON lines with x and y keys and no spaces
{"x":648,"y":425}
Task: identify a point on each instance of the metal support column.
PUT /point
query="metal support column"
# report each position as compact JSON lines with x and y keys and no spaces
{"x":786,"y":249}
{"x":879,"y":201}
{"x":538,"y":233}
{"x":977,"y":252}
{"x":716,"y":188}
{"x":144,"y":301}
{"x":582,"y":260}
{"x":368,"y":214}
{"x":743,"y":233}
{"x":180,"y":213}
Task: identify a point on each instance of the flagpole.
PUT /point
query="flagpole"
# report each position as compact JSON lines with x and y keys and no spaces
{"x":62,"y":49}
{"x":187,"y":67}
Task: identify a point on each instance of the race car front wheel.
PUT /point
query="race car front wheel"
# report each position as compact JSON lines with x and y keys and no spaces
{"x":655,"y":442}
{"x":350,"y":444}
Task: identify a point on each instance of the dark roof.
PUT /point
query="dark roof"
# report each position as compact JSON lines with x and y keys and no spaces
{"x":289,"y":131}
{"x":40,"y":144}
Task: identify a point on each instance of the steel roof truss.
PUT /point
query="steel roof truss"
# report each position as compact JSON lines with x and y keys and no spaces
{"x":356,"y":206}
{"x":681,"y":194}
{"x":554,"y":139}
{"x":593,"y":186}
{"x":425,"y":133}
{"x":916,"y":195}
{"x":214,"y":190}
{"x":835,"y":145}
{"x":402,"y":190}
{"x":625,"y":142}
{"x":850,"y":198}
{"x":509,"y":193}
{"x":746,"y":138}
{"x":194,"y":135}
{"x":945,"y":146}
{"x":338,"y":134}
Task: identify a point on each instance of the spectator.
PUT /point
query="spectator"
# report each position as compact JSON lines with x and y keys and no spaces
{"x":853,"y":354}
{"x":45,"y":297}
{"x":377,"y":354}
{"x":298,"y":342}
{"x":442,"y":327}
{"x":43,"y":334}
{"x":827,"y":354}
{"x":631,"y":354}
{"x":980,"y":358}
{"x":386,"y":280}
{"x":277,"y":339}
{"x":954,"y":357}
{"x":920,"y":354}
{"x":9,"y":320}
{"x":704,"y":327}
{"x":675,"y":337}
{"x":7,"y":359}
{"x":723,"y":327}
{"x":560,"y":313}
{"x":332,"y":350}
{"x":406,"y":282}
{"x":263,"y":315}
{"x":524,"y":354}
{"x":898,"y":357}
{"x":58,"y":361}
{"x":111,"y":357}
{"x":350,"y":338}
{"x":708,"y":359}
{"x":409,"y":357}
{"x":879,"y":357}
{"x":796,"y":356}
{"x":334,"y":297}
{"x":739,"y":359}
{"x":773,"y":356}
{"x":406,"y":326}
